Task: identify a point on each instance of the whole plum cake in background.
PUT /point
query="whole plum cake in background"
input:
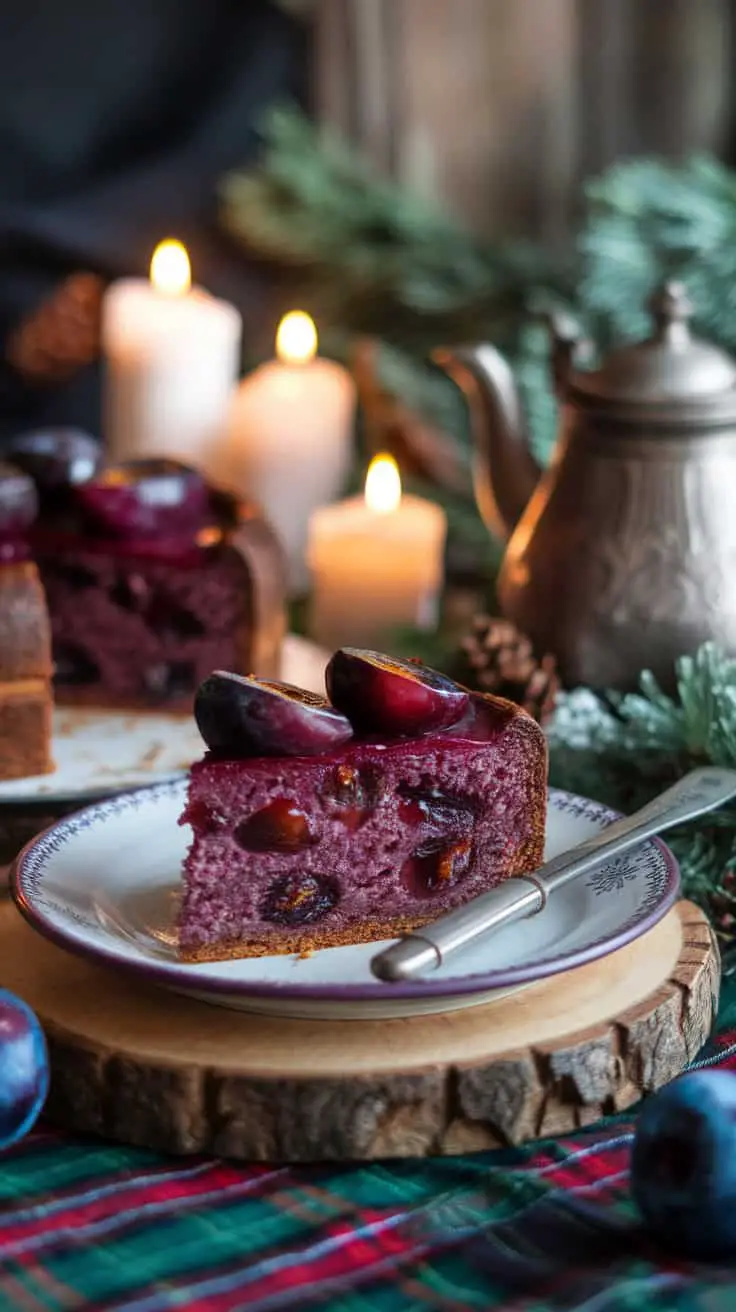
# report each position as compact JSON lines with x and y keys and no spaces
{"x":152,"y":577}
{"x":320,"y":822}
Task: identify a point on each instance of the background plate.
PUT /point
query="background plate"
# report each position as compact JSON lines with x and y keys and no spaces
{"x":98,"y":753}
{"x":104,"y":883}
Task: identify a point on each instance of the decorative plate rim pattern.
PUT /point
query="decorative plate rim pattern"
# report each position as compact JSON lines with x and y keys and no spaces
{"x":27,"y":869}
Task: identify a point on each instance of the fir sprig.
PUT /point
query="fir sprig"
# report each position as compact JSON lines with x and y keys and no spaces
{"x":371,"y":259}
{"x":623,"y":749}
{"x":313,"y":204}
{"x":647,"y":220}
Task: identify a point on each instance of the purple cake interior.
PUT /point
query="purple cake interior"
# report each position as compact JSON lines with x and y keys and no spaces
{"x":361,"y":842}
{"x":152,"y":576}
{"x":141,"y":627}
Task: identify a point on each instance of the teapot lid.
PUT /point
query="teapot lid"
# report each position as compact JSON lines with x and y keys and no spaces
{"x":670,"y":375}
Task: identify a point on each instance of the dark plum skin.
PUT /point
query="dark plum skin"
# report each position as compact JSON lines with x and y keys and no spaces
{"x":683,"y":1165}
{"x":57,"y":460}
{"x":144,"y":498}
{"x":243,"y":717}
{"x":386,"y":695}
{"x":18,"y":501}
{"x":24,"y":1069}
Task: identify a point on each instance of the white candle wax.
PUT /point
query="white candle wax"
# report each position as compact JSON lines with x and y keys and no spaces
{"x":372,"y":572}
{"x":171,"y":364}
{"x":289,"y":445}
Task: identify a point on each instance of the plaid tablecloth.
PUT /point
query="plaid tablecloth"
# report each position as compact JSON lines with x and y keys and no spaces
{"x":91,"y":1225}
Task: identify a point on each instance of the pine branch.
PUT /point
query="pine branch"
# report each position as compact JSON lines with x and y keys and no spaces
{"x":622,"y":750}
{"x":374,"y":260}
{"x":314,"y":203}
{"x":647,"y":220}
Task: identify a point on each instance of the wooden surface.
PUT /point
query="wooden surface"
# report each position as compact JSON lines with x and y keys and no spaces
{"x":499,"y":108}
{"x":137,"y":1064}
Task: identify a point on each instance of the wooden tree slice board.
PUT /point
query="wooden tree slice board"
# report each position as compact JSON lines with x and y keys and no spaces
{"x":138,"y":1064}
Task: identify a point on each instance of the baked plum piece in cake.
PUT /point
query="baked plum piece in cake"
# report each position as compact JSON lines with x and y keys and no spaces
{"x":152,"y":577}
{"x":317,"y":823}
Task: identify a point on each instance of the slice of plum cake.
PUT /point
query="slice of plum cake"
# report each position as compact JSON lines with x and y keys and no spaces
{"x":322,"y":822}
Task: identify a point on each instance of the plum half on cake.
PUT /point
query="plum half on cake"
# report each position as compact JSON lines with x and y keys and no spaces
{"x":322,"y":822}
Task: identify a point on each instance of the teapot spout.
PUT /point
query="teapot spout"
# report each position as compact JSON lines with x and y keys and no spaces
{"x":505,"y":472}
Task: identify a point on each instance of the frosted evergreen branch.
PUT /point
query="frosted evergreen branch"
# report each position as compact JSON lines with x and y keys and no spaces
{"x":624,"y":749}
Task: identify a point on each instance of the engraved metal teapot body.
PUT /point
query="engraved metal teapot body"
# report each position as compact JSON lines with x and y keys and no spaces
{"x":621,"y":556}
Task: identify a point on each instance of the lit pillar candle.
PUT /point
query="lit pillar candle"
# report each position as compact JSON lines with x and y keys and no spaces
{"x":172,"y":355}
{"x":289,"y":438}
{"x":376,"y":563}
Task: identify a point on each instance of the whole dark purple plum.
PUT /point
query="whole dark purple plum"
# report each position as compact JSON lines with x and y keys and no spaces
{"x":683,"y":1165}
{"x":18,"y":501}
{"x":57,"y":459}
{"x":24,"y":1069}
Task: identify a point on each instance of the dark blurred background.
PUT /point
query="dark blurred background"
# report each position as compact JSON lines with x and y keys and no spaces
{"x":118,"y":120}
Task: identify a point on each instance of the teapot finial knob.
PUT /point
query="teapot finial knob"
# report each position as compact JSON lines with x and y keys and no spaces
{"x":671,"y":307}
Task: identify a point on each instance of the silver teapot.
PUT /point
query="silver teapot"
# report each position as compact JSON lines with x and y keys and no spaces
{"x":622,"y":555}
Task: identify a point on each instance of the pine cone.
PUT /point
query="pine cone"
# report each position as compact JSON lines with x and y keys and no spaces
{"x":62,"y":335}
{"x":496,"y":657}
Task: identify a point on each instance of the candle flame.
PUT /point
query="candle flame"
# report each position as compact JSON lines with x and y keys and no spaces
{"x":296,"y":339}
{"x":383,"y":485}
{"x":170,"y":269}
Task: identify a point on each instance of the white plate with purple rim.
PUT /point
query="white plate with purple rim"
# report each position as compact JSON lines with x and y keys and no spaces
{"x":98,"y":753}
{"x":104,"y":883}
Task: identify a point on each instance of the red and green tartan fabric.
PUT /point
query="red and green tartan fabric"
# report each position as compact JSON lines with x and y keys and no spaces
{"x":552,"y":1226}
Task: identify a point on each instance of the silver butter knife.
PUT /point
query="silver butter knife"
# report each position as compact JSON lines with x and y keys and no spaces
{"x":700,"y":791}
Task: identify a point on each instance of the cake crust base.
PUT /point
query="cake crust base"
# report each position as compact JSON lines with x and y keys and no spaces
{"x":303,"y":942}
